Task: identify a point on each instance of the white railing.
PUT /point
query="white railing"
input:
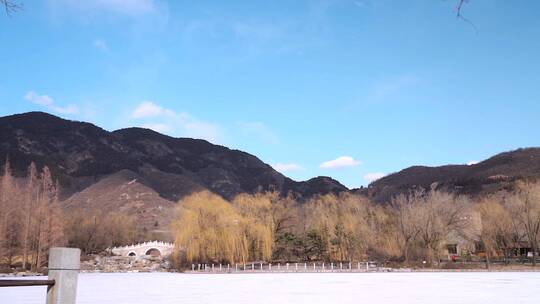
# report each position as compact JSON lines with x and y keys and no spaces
{"x":254,"y":267}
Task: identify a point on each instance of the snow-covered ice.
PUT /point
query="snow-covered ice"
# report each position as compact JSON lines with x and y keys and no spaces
{"x":380,"y":288}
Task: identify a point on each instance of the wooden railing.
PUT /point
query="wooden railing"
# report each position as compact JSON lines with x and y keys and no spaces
{"x":64,"y":264}
{"x":22,"y":283}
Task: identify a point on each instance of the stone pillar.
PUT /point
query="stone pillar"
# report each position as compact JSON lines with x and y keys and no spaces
{"x":64,"y":265}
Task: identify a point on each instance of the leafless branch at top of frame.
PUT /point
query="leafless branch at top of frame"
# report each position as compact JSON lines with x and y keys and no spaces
{"x":459,"y":9}
{"x":11,"y":6}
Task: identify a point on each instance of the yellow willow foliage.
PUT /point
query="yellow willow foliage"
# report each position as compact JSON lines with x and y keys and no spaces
{"x":257,"y":212}
{"x":208,"y":228}
{"x":346,"y":223}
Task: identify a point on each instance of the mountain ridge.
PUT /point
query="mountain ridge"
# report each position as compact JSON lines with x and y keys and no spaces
{"x":80,"y":154}
{"x":495,"y":173}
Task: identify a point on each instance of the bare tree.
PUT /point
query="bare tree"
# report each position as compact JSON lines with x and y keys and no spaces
{"x":405,"y":211}
{"x":440,"y":214}
{"x":524,"y":206}
{"x":11,"y":6}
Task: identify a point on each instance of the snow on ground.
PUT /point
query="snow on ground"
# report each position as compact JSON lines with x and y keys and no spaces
{"x":335,"y":288}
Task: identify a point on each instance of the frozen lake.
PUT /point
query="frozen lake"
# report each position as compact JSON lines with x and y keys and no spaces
{"x":380,"y":288}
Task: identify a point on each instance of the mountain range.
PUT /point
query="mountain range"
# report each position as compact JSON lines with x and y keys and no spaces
{"x":143,"y":172}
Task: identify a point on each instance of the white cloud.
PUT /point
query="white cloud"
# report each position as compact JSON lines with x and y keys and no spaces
{"x":48,"y":102}
{"x":340,"y":162}
{"x":175,"y":123}
{"x":201,"y":129}
{"x":288,"y":167}
{"x":158,"y":127}
{"x":472,"y":162}
{"x":149,"y":109}
{"x":125,"y":7}
{"x":371,"y":177}
{"x":259,"y":130}
{"x":100,"y":45}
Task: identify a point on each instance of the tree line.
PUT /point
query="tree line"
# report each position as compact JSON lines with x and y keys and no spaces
{"x":32,"y":221}
{"x":30,"y":217}
{"x":412,"y":228}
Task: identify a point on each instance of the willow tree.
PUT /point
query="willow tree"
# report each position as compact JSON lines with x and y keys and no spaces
{"x":208,"y":228}
{"x":342,"y":223}
{"x":259,"y":226}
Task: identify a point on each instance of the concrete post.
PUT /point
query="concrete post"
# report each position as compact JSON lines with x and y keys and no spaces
{"x":270,"y":267}
{"x":252,"y":266}
{"x":313,"y":266}
{"x":279,"y":266}
{"x":220,"y":267}
{"x":192,"y":267}
{"x":332,"y":266}
{"x":305,"y":266}
{"x":64,"y":265}
{"x":287,"y":266}
{"x":323,"y":266}
{"x":340,"y":266}
{"x":296,"y":266}
{"x":261,"y":266}
{"x":367,"y":266}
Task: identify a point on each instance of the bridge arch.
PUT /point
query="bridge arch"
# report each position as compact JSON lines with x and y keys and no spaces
{"x":153,"y":251}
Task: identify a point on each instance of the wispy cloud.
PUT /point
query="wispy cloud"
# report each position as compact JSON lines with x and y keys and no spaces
{"x":148,"y":109}
{"x":258,"y":130}
{"x":373,"y":176}
{"x":340,"y":162}
{"x":163,"y":120}
{"x":286,"y":167}
{"x":101,"y":45}
{"x":124,"y":7}
{"x":393,"y":86}
{"x":49,"y":103}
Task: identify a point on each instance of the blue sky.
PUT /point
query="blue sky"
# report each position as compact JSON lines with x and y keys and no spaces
{"x":347,"y":89}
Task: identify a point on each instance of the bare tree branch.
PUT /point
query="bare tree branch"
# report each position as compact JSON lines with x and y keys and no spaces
{"x":459,"y":9}
{"x":11,"y":6}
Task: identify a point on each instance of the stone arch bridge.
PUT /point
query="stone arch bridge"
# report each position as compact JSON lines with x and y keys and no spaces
{"x":153,"y":248}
